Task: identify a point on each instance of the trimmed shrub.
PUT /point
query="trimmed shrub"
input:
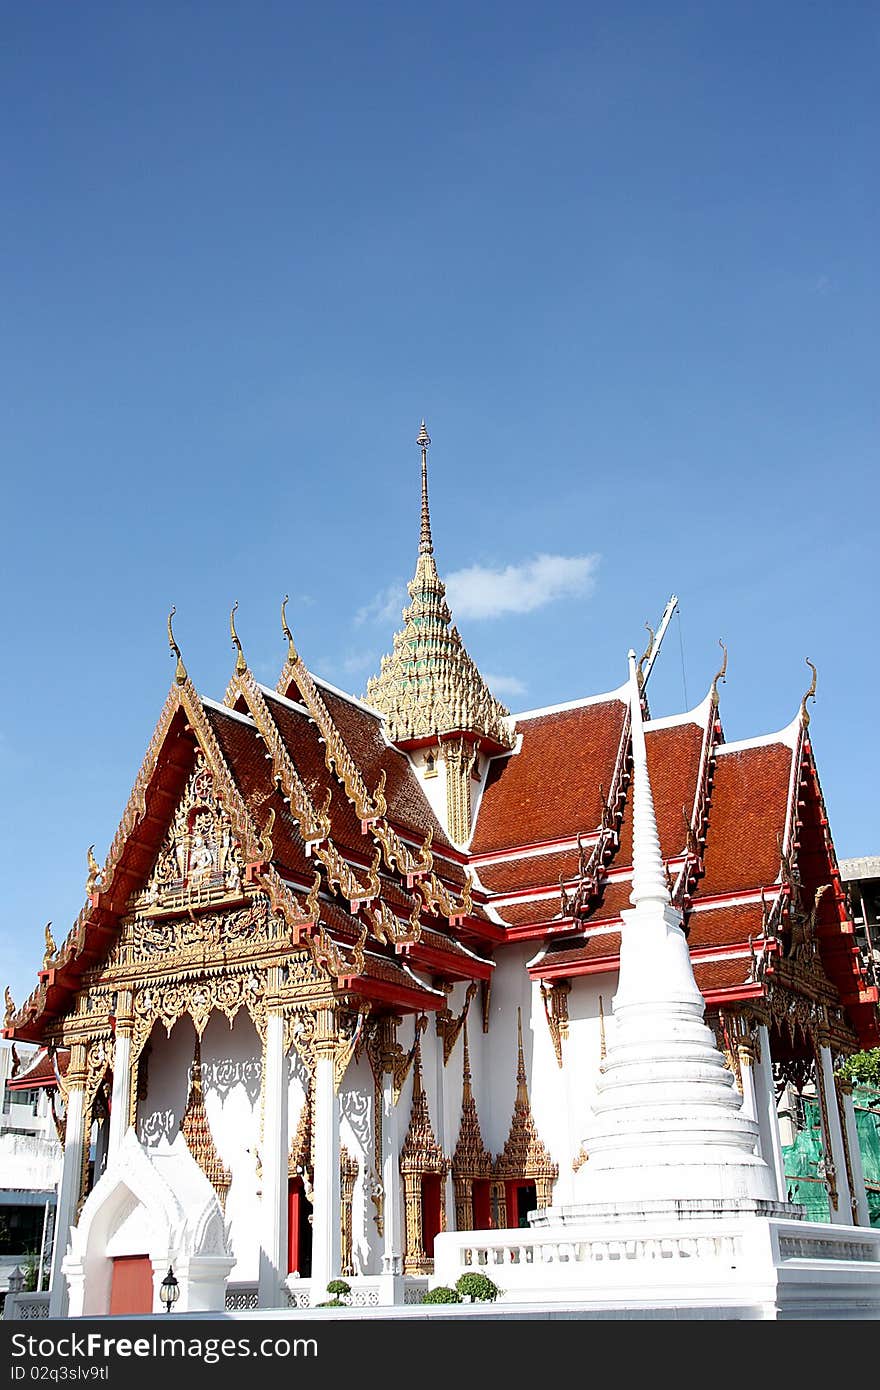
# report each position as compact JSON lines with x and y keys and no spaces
{"x":479,"y":1287}
{"x":339,"y":1288}
{"x":442,"y":1294}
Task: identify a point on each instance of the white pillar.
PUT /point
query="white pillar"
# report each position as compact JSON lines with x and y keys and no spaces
{"x":273,"y":1202}
{"x":392,"y":1240}
{"x":862,"y":1211}
{"x":841,"y":1212}
{"x":326,"y":1213}
{"x":767,"y":1116}
{"x":71,"y":1179}
{"x":747,"y":1076}
{"x":120,"y":1098}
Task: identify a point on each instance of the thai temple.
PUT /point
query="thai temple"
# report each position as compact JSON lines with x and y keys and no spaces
{"x":392,"y":987}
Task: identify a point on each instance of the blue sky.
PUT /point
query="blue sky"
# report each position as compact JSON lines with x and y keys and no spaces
{"x":621,"y":257}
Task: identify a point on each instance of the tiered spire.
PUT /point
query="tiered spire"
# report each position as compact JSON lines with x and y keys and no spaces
{"x":429,"y":686}
{"x":196,"y":1130}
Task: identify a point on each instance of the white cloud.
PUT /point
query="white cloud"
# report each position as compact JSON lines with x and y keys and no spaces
{"x":479,"y":592}
{"x":385,"y":607}
{"x":504,"y":685}
{"x":355,"y":662}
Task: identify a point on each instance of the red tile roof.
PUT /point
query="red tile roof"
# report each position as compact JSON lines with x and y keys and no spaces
{"x":41,"y":1072}
{"x":673,"y":767}
{"x":550,"y":788}
{"x":529,"y":871}
{"x":746,"y":814}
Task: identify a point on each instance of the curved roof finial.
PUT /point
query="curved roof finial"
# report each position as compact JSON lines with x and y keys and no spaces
{"x":291,"y":649}
{"x":810,"y":695}
{"x":722,"y":674}
{"x":240,"y":663}
{"x":180,"y":674}
{"x":426,"y":545}
{"x":647,"y":653}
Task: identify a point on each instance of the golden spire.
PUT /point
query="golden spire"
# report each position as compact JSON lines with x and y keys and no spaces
{"x":426,"y":545}
{"x":522,"y":1090}
{"x":429,"y":686}
{"x":466,"y":1065}
{"x":180,"y":674}
{"x":291,"y":649}
{"x":196,"y":1130}
{"x":810,"y":695}
{"x":240,"y":663}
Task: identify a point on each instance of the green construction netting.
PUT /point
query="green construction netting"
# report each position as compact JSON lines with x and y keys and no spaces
{"x":804,"y":1158}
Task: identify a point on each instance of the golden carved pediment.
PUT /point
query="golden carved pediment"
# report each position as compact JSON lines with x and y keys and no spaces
{"x":200,"y":862}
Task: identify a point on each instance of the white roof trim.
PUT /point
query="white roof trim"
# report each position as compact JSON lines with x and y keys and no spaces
{"x":344,"y":694}
{"x":697,"y":716}
{"x":788,"y":736}
{"x":282,"y":699}
{"x":224,"y":709}
{"x":621,"y":693}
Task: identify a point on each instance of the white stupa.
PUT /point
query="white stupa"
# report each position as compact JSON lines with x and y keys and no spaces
{"x":668,"y":1131}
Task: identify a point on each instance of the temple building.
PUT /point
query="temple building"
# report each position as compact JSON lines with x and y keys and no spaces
{"x":344,"y":979}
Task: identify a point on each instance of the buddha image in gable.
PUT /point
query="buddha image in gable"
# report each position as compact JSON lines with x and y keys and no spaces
{"x":201,"y":858}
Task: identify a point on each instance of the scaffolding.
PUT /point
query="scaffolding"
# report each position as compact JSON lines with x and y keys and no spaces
{"x":805,"y":1158}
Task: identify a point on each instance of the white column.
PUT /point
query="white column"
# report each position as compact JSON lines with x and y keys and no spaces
{"x":273,"y":1155}
{"x":767,"y":1116}
{"x":862,"y":1210}
{"x":747,"y":1076}
{"x":392,"y":1240}
{"x":120,"y":1098}
{"x":326,"y":1213}
{"x":841,"y":1213}
{"x":71,"y":1178}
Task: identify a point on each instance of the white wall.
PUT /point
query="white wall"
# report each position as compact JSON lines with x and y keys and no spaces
{"x":231,"y":1076}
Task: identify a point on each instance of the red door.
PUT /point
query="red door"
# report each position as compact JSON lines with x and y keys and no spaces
{"x":299,"y":1229}
{"x":430,"y":1211}
{"x":131,"y":1290}
{"x":482,"y":1205}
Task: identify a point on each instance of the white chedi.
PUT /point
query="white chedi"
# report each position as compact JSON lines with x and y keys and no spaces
{"x":667,"y":1128}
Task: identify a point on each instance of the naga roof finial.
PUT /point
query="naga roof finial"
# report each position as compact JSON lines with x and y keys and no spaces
{"x":291,"y":649}
{"x":810,"y":695}
{"x":180,"y":674}
{"x":426,"y":545}
{"x":647,"y":653}
{"x":722,"y":674}
{"x":10,"y":1008}
{"x":51,"y":948}
{"x":240,"y":663}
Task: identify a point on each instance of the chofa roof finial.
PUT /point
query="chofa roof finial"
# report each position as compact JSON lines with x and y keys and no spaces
{"x":240,"y":663}
{"x":810,"y":695}
{"x":291,"y":649}
{"x":720,"y":675}
{"x":180,"y":674}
